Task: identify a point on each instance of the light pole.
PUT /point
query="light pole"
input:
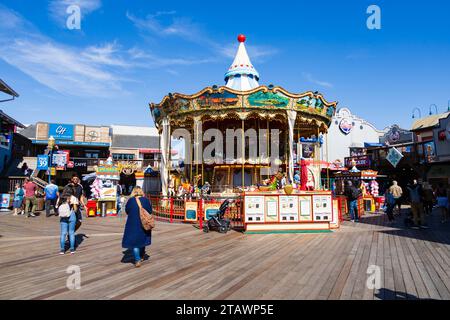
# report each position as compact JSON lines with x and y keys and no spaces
{"x":435,"y":107}
{"x":448,"y":106}
{"x":50,"y":145}
{"x":420,"y":113}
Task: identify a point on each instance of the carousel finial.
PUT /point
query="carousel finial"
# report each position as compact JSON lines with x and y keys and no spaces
{"x":241,"y":38}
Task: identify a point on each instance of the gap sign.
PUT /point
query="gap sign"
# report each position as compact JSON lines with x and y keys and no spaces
{"x":60,"y":131}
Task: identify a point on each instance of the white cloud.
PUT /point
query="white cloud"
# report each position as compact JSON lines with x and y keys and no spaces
{"x":308,"y":77}
{"x":57,"y":8}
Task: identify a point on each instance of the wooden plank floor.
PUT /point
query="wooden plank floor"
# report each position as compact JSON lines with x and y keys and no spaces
{"x":185,"y":263}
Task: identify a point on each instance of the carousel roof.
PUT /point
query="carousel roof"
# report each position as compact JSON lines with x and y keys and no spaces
{"x":241,"y":75}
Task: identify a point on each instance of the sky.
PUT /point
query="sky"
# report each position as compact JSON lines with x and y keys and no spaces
{"x":128,"y":53}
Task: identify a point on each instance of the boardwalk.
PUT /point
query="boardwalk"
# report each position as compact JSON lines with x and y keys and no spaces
{"x":184,"y":263}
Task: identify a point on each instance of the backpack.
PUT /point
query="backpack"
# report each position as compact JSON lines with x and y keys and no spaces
{"x":64,"y":210}
{"x":147,"y":219}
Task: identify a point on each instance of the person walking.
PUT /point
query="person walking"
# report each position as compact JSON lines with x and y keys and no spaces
{"x":352,"y":193}
{"x":397,"y":193}
{"x":428,"y":198}
{"x":442,"y":202}
{"x":78,"y":192}
{"x":135,"y":237}
{"x":67,"y":220}
{"x":18,"y":200}
{"x":51,"y":196}
{"x":416,"y":196}
{"x":390,"y":204}
{"x":30,"y":197}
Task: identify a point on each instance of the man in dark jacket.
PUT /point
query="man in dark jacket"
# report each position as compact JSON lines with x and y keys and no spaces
{"x":352,"y":193}
{"x":416,"y":197}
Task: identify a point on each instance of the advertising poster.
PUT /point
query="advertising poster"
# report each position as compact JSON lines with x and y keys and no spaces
{"x":322,"y":208}
{"x":254,"y":208}
{"x":271,"y":209}
{"x":108,"y":192}
{"x":211,"y":209}
{"x":190,"y":211}
{"x":59,"y":160}
{"x":5,"y":201}
{"x":305,"y":208}
{"x":288,"y":208}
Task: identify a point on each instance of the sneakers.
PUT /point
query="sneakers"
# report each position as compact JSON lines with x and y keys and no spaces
{"x":61,"y":252}
{"x":72,"y":251}
{"x":31,"y":215}
{"x":352,"y":220}
{"x":424,"y":227}
{"x":138,"y":264}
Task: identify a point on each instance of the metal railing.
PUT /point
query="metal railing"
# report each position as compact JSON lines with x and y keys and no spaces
{"x":172,"y":209}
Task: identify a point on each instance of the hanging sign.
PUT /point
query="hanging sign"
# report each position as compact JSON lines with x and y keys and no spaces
{"x":394,"y":156}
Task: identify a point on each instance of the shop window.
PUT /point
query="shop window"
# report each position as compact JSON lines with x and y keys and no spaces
{"x":123,"y":156}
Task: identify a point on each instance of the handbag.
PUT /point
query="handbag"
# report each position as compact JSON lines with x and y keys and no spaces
{"x":147,"y":219}
{"x":64,"y":210}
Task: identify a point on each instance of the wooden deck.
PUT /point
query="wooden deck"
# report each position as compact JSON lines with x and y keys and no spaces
{"x":185,"y":263}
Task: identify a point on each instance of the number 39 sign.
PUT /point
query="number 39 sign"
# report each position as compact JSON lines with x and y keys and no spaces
{"x":42,"y":162}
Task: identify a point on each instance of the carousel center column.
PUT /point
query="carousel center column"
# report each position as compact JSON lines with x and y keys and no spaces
{"x":292,"y":116}
{"x":198,"y":139}
{"x":165,"y":152}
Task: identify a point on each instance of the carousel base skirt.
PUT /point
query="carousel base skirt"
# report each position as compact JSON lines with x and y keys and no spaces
{"x":288,"y":231}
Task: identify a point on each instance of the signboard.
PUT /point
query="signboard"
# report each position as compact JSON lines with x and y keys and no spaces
{"x":5,"y":201}
{"x":288,"y":209}
{"x":190,"y":211}
{"x":61,"y":131}
{"x":345,"y":126}
{"x":394,"y":156}
{"x":429,"y":149}
{"x":53,"y":171}
{"x":108,"y":193}
{"x":80,"y":164}
{"x":211,"y":209}
{"x":42,"y":162}
{"x":254,"y":209}
{"x":361,"y":161}
{"x":70,"y":164}
{"x":322,"y":208}
{"x":108,"y":172}
{"x":305,"y":208}
{"x":271,"y":209}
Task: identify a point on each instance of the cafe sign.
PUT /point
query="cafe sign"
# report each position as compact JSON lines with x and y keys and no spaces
{"x":361,"y":161}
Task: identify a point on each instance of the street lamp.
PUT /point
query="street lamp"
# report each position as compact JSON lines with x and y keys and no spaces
{"x":50,"y":145}
{"x":448,"y":106}
{"x":420,"y":113}
{"x":435,"y":107}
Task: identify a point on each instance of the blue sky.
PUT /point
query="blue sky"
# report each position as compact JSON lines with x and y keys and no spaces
{"x":130,"y":53}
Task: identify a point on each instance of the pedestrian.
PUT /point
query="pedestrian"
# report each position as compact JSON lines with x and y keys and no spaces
{"x":428,"y":198}
{"x":30,"y":197}
{"x":416,"y":196}
{"x":67,"y":220}
{"x":51,"y":196}
{"x":390,"y":204}
{"x":18,"y":200}
{"x":397,"y":193}
{"x":118,"y":198}
{"x":78,"y":193}
{"x":352,"y":193}
{"x":442,"y":202}
{"x":135,"y":237}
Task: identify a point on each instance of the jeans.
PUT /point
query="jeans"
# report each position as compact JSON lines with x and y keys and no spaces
{"x":48,"y":204}
{"x":138,"y":253}
{"x":68,"y":226}
{"x":33,"y":202}
{"x":353,"y":209}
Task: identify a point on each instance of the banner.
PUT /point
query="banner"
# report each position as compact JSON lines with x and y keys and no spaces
{"x":80,"y":164}
{"x":5,"y":201}
{"x":42,"y":162}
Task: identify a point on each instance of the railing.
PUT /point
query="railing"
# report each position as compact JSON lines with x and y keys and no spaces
{"x":12,"y":181}
{"x":172,"y":209}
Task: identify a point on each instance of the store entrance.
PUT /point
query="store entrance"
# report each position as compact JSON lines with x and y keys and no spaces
{"x":127,"y":182}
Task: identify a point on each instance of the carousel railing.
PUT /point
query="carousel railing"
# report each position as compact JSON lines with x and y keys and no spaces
{"x":172,"y":209}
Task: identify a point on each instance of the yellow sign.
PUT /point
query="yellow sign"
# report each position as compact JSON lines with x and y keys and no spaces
{"x":190,"y":211}
{"x":53,"y":171}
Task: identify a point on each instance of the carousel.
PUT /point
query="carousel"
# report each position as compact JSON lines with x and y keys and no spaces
{"x":240,"y":137}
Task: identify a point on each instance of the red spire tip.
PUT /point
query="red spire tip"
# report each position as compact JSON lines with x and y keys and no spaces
{"x":241,"y":38}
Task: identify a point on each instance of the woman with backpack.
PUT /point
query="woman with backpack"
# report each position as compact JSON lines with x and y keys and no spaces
{"x":135,"y":237}
{"x":68,"y":219}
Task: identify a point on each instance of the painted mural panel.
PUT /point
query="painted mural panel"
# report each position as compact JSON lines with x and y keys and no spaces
{"x":268,"y":99}
{"x":217,"y":99}
{"x":311,"y":104}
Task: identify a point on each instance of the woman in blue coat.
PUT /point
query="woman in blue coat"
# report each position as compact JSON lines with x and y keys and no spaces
{"x":135,"y":237}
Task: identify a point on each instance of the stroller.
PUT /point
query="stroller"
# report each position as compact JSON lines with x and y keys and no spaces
{"x":217,"y":221}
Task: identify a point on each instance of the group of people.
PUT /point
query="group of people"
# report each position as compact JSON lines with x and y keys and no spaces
{"x":422,"y":199}
{"x":135,"y":238}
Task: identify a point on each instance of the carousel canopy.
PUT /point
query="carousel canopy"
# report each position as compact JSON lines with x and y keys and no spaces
{"x":241,"y":75}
